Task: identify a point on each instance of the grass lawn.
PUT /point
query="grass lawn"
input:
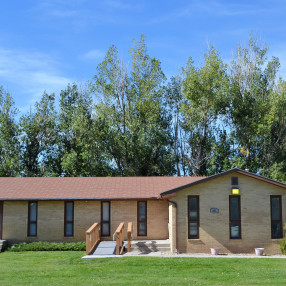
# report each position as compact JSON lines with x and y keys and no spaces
{"x":67,"y":268}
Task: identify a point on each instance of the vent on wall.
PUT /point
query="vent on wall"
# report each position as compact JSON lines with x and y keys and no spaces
{"x":234,"y":181}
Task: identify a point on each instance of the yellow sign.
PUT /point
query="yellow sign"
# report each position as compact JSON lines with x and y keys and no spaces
{"x":235,"y":191}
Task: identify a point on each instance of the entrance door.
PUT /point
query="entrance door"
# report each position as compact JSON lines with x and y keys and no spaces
{"x":105,"y":218}
{"x":1,"y":218}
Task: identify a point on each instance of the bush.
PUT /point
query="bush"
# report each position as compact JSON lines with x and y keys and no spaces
{"x":283,"y":245}
{"x":48,"y":246}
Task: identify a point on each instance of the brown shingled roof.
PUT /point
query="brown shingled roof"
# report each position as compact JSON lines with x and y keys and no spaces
{"x":85,"y":188}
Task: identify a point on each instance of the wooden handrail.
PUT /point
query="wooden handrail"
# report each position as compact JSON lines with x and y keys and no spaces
{"x":119,"y":236}
{"x":129,"y":236}
{"x":92,"y":237}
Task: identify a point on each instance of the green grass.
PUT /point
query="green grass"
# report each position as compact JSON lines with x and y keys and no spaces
{"x":67,"y":268}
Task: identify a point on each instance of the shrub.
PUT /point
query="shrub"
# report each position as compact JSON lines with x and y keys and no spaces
{"x":48,"y":246}
{"x":283,"y":245}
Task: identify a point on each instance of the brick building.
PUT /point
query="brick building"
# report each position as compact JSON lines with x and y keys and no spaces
{"x":235,"y":211}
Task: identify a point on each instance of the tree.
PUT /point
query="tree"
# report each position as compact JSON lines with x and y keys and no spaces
{"x":9,"y":134}
{"x":174,"y":96}
{"x":137,"y":134}
{"x":204,"y":104}
{"x":39,"y":136}
{"x":80,"y":151}
{"x":252,"y":80}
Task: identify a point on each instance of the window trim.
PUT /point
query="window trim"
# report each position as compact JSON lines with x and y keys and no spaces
{"x":67,"y":221}
{"x":103,"y":221}
{"x":197,"y":220}
{"x":30,"y":222}
{"x":141,"y":222}
{"x":235,"y":221}
{"x":275,"y":221}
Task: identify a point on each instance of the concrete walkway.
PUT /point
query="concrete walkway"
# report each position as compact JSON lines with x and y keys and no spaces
{"x":194,"y":255}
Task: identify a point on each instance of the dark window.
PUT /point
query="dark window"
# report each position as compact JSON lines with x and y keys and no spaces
{"x":1,"y":218}
{"x":276,"y":217}
{"x":32,"y":218}
{"x":69,"y":218}
{"x":142,"y":218}
{"x":193,"y":217}
{"x":105,"y":218}
{"x":234,"y":181}
{"x":234,"y":217}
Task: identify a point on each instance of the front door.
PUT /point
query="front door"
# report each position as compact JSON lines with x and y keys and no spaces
{"x":1,"y":218}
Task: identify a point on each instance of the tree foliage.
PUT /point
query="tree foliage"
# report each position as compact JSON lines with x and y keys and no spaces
{"x":9,"y":132}
{"x":129,"y":121}
{"x":136,"y":131}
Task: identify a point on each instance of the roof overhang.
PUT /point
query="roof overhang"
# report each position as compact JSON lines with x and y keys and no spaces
{"x":235,"y":170}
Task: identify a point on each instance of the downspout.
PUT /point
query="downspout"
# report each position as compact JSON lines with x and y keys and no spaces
{"x":176,"y":221}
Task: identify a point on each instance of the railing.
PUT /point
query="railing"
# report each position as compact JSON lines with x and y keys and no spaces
{"x":129,"y":236}
{"x":119,"y":236}
{"x":92,"y":237}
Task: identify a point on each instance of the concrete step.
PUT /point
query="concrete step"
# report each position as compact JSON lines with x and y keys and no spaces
{"x":147,"y":246}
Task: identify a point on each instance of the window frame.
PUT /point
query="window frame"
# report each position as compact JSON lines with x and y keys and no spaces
{"x":235,"y":221}
{"x":141,"y":221}
{"x":66,"y":222}
{"x":105,"y":221}
{"x":194,"y":221}
{"x":32,"y":222}
{"x":275,"y":221}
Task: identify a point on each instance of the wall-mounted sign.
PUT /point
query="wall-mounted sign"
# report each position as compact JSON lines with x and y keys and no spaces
{"x":214,"y":210}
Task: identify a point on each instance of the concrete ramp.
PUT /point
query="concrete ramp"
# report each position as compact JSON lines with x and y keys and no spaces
{"x":105,"y":248}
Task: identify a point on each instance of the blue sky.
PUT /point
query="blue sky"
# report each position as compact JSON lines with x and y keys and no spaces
{"x":44,"y":45}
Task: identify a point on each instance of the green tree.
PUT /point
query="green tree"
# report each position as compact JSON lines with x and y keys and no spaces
{"x":204,"y":105}
{"x":9,"y":135}
{"x":252,"y":79}
{"x":174,"y":97}
{"x":80,"y":151}
{"x":39,"y":136}
{"x":274,"y":147}
{"x":137,"y":135}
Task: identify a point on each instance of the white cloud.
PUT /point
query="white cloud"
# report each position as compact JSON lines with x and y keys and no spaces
{"x":214,"y":8}
{"x":122,"y":5}
{"x":94,"y":55}
{"x":29,"y":74}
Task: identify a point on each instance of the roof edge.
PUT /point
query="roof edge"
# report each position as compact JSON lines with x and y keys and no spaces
{"x":237,"y":170}
{"x":81,"y":199}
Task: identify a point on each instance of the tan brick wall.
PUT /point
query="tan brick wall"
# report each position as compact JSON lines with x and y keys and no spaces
{"x":15,"y":216}
{"x":126,"y":211}
{"x":214,"y":227}
{"x":51,"y":219}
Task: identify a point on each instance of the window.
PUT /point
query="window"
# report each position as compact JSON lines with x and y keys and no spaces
{"x":105,"y":218}
{"x":193,"y":217}
{"x":69,"y":218}
{"x":142,"y":218}
{"x":234,"y":217}
{"x":276,"y":217}
{"x":1,"y":218}
{"x":234,"y":181}
{"x":32,"y":218}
